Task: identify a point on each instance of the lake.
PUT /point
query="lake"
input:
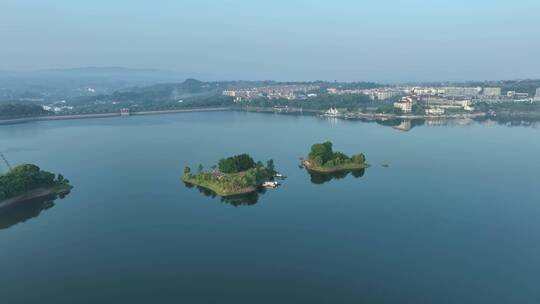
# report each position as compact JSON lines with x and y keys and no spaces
{"x":454,"y":218}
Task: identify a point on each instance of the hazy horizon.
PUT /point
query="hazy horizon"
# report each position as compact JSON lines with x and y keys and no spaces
{"x":387,"y":42}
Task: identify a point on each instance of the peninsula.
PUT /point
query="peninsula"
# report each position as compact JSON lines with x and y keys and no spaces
{"x":27,"y":181}
{"x":323,"y":159}
{"x":235,"y":175}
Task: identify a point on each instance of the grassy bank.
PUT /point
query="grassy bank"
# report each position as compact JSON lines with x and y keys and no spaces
{"x":218,"y":188}
{"x":322,"y":158}
{"x":234,"y":175}
{"x":330,"y":169}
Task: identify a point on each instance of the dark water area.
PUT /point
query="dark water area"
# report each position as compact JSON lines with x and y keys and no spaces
{"x":454,"y":218}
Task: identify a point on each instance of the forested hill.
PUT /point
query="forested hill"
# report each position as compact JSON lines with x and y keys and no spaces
{"x":12,"y":110}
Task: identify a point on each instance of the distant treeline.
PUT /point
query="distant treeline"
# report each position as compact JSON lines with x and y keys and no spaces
{"x":21,"y":110}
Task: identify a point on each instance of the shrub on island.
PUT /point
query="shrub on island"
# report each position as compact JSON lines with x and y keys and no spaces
{"x":323,"y":158}
{"x":28,"y":177}
{"x":234,"y":175}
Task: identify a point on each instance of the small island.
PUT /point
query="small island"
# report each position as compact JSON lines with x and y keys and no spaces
{"x":26,"y":182}
{"x":236,"y":175}
{"x":324,"y":160}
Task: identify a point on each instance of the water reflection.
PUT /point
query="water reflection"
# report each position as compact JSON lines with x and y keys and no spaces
{"x":401,"y":124}
{"x":321,"y":178}
{"x":248,"y":199}
{"x":512,"y":122}
{"x":408,"y":124}
{"x":23,"y":211}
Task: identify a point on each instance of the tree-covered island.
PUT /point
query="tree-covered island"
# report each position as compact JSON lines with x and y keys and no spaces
{"x":235,"y":175}
{"x":28,"y":181}
{"x":323,"y":159}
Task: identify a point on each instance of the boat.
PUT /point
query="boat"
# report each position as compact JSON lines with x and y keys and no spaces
{"x":280,"y":176}
{"x":270,"y":184}
{"x":332,"y":112}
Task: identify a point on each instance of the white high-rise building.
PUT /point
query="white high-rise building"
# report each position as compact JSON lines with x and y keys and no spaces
{"x":537,"y":95}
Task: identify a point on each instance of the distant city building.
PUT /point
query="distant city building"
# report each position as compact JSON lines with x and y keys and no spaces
{"x":289,"y":92}
{"x":374,"y":94}
{"x":382,"y":95}
{"x":427,"y":91}
{"x":491,"y":91}
{"x":405,"y":104}
{"x":434,"y":111}
{"x":331,"y":91}
{"x":537,"y":95}
{"x":446,"y":103}
{"x":462,"y":91}
{"x":521,"y":95}
{"x":57,"y":109}
{"x":125,"y":112}
{"x":517,"y":95}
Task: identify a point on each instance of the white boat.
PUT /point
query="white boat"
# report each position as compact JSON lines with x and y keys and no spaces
{"x":270,"y":184}
{"x":332,"y":112}
{"x":280,"y":176}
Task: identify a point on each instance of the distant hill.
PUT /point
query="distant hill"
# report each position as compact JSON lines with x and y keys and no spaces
{"x":58,"y":84}
{"x":117,"y":73}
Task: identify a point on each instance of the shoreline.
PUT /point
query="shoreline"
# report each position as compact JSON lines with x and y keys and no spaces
{"x":11,"y":121}
{"x":291,"y":111}
{"x":40,"y":192}
{"x":359,"y":115}
{"x":340,"y":168}
{"x":220,"y":193}
{"x":381,"y":116}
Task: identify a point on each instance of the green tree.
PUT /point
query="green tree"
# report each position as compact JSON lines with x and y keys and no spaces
{"x":200,"y":169}
{"x":235,"y":164}
{"x":270,"y":166}
{"x":321,"y":152}
{"x":359,"y":158}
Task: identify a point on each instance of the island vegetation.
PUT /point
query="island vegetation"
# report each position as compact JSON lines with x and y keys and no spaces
{"x":322,"y":158}
{"x":235,"y":175}
{"x":27,"y":178}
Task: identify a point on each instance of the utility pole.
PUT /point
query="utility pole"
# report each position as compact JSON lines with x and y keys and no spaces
{"x":5,"y":160}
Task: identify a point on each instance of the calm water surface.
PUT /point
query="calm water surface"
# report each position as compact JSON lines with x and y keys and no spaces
{"x":455,"y":218}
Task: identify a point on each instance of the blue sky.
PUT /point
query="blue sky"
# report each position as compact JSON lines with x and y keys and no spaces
{"x":385,"y":40}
